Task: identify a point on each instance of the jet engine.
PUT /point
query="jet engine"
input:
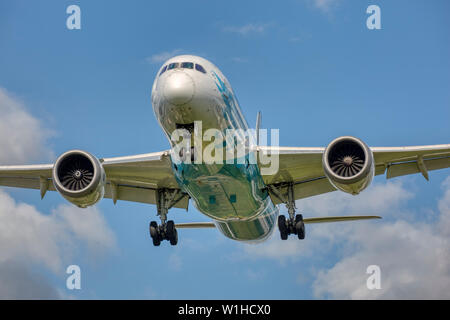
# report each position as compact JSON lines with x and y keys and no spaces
{"x":79,"y":177}
{"x":349,"y":165}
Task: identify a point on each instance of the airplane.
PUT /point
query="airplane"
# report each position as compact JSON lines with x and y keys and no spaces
{"x":240,"y":197}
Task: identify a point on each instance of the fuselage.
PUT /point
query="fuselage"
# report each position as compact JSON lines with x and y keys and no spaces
{"x":191,"y":95}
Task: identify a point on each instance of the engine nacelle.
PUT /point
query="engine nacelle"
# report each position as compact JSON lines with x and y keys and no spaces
{"x":349,"y":165}
{"x":79,"y":177}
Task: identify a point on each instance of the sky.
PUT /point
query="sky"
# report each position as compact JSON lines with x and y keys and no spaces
{"x":314,"y":70}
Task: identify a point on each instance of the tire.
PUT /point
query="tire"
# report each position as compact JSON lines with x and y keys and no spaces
{"x":174,"y":239}
{"x":282,"y":227}
{"x":171,"y":232}
{"x":300,"y":226}
{"x":153,"y":229}
{"x":170,"y":229}
{"x":156,"y":242}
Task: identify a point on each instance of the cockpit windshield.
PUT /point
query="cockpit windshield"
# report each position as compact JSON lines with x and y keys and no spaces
{"x":187,"y":65}
{"x":183,"y":65}
{"x":200,"y":68}
{"x":163,"y":70}
{"x":173,"y":66}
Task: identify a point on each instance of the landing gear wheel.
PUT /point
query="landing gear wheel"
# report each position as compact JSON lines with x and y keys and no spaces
{"x":154,"y":233}
{"x":153,"y":228}
{"x":166,"y":199}
{"x":282,"y":226}
{"x":156,"y":242}
{"x":171,"y":233}
{"x":299,"y":226}
{"x":174,"y":239}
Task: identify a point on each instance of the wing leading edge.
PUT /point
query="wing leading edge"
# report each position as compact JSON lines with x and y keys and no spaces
{"x":132,"y":178}
{"x":136,"y":178}
{"x":303,"y":166}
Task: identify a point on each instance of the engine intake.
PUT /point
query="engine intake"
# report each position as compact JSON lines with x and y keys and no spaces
{"x":349,"y":165}
{"x":79,"y":177}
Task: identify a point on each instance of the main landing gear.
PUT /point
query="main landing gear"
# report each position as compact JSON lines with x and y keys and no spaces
{"x":291,"y":226}
{"x":294,"y":224}
{"x":166,"y":198}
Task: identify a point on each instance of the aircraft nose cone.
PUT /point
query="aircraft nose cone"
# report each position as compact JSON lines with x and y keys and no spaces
{"x":179,"y":88}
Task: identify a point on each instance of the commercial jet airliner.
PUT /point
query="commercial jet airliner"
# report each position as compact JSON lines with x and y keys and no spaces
{"x":241,"y":197}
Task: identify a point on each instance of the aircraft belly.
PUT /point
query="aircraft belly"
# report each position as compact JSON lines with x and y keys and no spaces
{"x":231,"y":196}
{"x":254,"y":230}
{"x":223,"y":192}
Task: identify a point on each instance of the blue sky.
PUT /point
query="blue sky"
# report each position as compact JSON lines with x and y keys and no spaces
{"x":313,"y":69}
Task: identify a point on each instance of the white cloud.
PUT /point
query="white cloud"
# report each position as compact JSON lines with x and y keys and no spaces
{"x":22,"y":136}
{"x":444,"y":208}
{"x":30,"y":239}
{"x":414,"y":259}
{"x":17,"y":281}
{"x":50,"y":240}
{"x":379,"y":199}
{"x":325,"y":5}
{"x":414,"y":256}
{"x":175,"y":263}
{"x":163,"y":56}
{"x":250,"y":28}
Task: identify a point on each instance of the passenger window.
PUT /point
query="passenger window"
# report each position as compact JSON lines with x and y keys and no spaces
{"x":200,"y":68}
{"x":187,"y":65}
{"x":173,"y":66}
{"x":163,"y":70}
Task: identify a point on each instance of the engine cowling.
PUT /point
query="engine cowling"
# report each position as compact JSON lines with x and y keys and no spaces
{"x":79,"y":177}
{"x":349,"y":165}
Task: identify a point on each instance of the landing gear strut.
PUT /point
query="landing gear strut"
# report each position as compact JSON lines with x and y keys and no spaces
{"x":294,"y":224}
{"x":166,"y":230}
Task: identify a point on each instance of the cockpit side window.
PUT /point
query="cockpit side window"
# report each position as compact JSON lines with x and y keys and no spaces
{"x":163,"y":70}
{"x":173,"y":66}
{"x":200,"y":68}
{"x":187,"y":65}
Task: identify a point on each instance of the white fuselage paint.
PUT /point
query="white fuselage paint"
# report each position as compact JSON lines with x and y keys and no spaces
{"x":233,"y":195}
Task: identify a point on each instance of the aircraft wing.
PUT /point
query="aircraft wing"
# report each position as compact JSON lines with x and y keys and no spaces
{"x":303,"y":166}
{"x":136,"y":178}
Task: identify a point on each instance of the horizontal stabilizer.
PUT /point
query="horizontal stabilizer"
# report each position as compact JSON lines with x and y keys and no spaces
{"x":195,"y":225}
{"x":204,"y":225}
{"x":338,"y":219}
